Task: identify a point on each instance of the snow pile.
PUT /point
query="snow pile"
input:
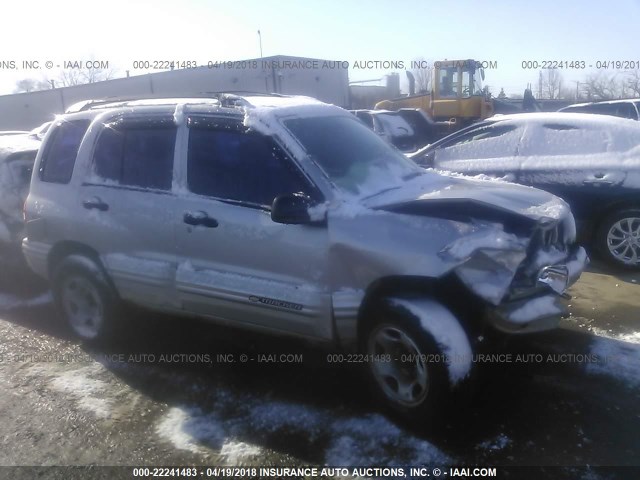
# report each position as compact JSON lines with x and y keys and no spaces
{"x":447,"y":332}
{"x":188,"y":428}
{"x":352,"y":441}
{"x":374,"y":440}
{"x":498,"y":443}
{"x":11,"y":302}
{"x":537,"y":308}
{"x":617,"y":357}
{"x":88,"y":392}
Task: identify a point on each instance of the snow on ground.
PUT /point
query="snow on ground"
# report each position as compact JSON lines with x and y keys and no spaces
{"x":617,"y":357}
{"x":10,"y":301}
{"x":374,"y":440}
{"x":348,"y":441}
{"x":88,"y":392}
{"x":536,"y":308}
{"x":499,"y":442}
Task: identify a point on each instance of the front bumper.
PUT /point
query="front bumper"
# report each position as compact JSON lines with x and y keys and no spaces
{"x":544,"y":309}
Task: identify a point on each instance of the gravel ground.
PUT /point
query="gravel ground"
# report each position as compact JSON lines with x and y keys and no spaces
{"x":165,"y":395}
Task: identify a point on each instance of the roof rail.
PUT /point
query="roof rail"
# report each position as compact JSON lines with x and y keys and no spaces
{"x":226,"y":98}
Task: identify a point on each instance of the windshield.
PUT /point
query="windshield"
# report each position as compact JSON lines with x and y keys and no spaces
{"x":354,"y":158}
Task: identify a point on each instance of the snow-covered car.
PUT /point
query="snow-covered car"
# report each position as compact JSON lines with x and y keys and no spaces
{"x":591,"y":161}
{"x":8,"y":133}
{"x":288,"y":215}
{"x":618,"y":108}
{"x":408,"y":129}
{"x":39,"y":132}
{"x":17,"y":154}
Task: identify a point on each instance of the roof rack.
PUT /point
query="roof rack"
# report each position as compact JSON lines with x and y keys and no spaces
{"x":226,"y":99}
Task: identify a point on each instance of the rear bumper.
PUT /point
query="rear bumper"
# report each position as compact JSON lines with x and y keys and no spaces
{"x":544,"y":310}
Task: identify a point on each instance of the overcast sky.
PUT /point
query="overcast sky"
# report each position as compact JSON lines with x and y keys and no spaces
{"x":508,"y":33}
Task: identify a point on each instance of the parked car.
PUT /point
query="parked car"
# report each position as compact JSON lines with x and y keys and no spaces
{"x":17,"y":154}
{"x":619,"y":108}
{"x":7,"y":133}
{"x":591,"y":161}
{"x":406,"y":129}
{"x":289,"y":216}
{"x":39,"y":132}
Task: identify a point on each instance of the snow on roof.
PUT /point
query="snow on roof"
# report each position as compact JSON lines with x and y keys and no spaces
{"x":280,"y":101}
{"x":605,"y":102}
{"x":17,"y":143}
{"x":575,"y":118}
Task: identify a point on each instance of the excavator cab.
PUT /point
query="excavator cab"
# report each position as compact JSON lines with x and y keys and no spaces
{"x":458,"y":93}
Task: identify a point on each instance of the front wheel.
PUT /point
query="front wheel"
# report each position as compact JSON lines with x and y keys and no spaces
{"x":407,"y":369}
{"x":618,"y":238}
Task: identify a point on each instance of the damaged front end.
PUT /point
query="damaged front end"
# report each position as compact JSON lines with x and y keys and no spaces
{"x":522,"y":278}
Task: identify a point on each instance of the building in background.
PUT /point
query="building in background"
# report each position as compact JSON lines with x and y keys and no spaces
{"x":325,"y":80}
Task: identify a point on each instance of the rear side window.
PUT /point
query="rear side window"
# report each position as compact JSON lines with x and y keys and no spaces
{"x":61,"y":151}
{"x":136,"y":154}
{"x":236,"y":165}
{"x":493,"y":141}
{"x":20,"y":166}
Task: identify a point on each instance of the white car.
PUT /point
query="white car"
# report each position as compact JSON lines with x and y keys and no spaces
{"x":590,"y":161}
{"x":17,"y":154}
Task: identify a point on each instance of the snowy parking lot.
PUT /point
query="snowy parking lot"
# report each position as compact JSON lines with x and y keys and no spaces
{"x":176,"y":392}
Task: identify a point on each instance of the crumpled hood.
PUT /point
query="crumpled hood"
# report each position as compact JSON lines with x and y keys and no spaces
{"x":459,"y":193}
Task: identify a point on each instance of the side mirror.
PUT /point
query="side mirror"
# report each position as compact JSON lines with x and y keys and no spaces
{"x":427,"y":160}
{"x":292,"y":209}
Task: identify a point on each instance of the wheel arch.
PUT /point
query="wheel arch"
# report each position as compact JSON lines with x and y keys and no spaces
{"x":64,"y":249}
{"x":447,"y":290}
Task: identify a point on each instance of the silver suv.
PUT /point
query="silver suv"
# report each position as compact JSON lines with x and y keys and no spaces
{"x":287,"y":215}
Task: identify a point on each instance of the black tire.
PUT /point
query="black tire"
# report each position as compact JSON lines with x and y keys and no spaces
{"x":81,"y":289}
{"x":613,"y":227}
{"x":428,"y":409}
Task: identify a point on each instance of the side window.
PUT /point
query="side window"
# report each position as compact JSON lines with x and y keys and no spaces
{"x":496,"y":141}
{"x":237,"y":165}
{"x":62,"y":148}
{"x":367,"y":118}
{"x":554,"y":139}
{"x":137,"y":155}
{"x":21,"y":166}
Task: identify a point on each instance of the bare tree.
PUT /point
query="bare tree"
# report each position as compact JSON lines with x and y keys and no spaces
{"x":568,"y":93}
{"x":633,"y":82}
{"x":31,"y":85}
{"x":551,"y":83}
{"x":604,"y":86}
{"x":423,"y":76}
{"x":82,"y":76}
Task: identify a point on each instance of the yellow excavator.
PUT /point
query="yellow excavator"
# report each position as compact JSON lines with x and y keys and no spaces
{"x":456,"y":98}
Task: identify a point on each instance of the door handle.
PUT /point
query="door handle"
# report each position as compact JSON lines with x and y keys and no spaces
{"x":95,"y":203}
{"x":199,"y":219}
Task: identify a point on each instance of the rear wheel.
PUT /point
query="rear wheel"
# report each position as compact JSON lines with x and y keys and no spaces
{"x":618,"y":238}
{"x":86,"y":300}
{"x":406,"y":369}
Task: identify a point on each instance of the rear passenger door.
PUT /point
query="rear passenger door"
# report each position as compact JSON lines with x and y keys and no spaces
{"x":236,"y":264}
{"x":126,"y":202}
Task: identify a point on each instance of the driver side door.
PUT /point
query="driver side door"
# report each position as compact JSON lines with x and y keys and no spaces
{"x":236,"y":264}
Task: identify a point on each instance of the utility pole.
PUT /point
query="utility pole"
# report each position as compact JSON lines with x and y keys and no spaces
{"x":540,"y":85}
